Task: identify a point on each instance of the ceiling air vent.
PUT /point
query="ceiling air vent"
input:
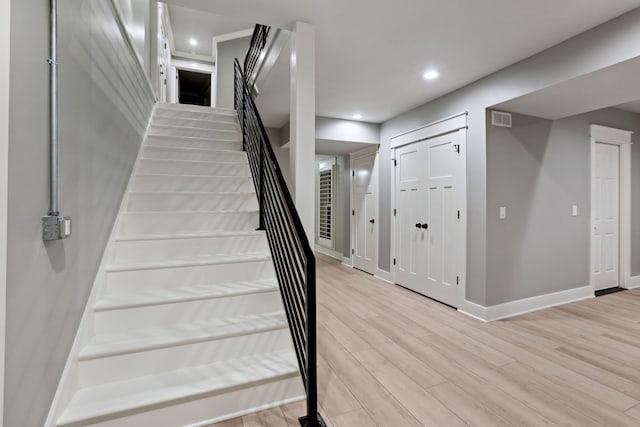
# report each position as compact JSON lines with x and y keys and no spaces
{"x":500,"y":118}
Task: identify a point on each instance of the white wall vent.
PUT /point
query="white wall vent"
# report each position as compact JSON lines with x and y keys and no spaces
{"x":500,"y":118}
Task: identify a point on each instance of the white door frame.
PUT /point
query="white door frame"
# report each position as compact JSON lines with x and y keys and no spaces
{"x":5,"y":44}
{"x":621,"y":138}
{"x":369,"y":151}
{"x":454,"y":123}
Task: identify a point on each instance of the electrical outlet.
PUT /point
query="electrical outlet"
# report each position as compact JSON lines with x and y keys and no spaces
{"x":502,"y":212}
{"x":574,"y":210}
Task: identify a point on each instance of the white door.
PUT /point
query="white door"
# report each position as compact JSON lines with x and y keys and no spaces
{"x":365,"y":213}
{"x":429,"y":186}
{"x":411,"y":248}
{"x":605,"y":254}
{"x":442,"y":204}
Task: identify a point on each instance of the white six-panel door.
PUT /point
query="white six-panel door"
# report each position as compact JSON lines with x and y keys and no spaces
{"x":429,"y":180}
{"x":606,"y":211}
{"x":365,"y":202}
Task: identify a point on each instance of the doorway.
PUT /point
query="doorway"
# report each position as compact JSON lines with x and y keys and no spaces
{"x":364,"y":190}
{"x":430,"y":232}
{"x":610,"y":207}
{"x":194,"y":88}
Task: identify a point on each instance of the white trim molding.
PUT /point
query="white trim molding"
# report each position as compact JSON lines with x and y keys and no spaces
{"x":430,"y":130}
{"x":347,"y":261}
{"x":384,"y":275}
{"x":525,"y":305}
{"x":5,"y":44}
{"x":634,"y":282}
{"x":621,"y":138}
{"x":328,"y":252}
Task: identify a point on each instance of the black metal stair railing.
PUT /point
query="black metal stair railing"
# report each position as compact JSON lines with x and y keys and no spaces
{"x":256,"y":46}
{"x":293,"y":257}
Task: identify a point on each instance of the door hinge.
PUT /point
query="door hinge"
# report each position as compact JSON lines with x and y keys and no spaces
{"x":394,"y":261}
{"x":457,"y":280}
{"x":395,"y":162}
{"x":353,"y":173}
{"x":458,"y":214}
{"x":353,"y":213}
{"x":456,"y":148}
{"x":394,"y":212}
{"x":352,"y":252}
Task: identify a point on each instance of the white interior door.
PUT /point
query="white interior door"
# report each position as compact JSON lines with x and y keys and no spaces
{"x":411,"y":248}
{"x":605,"y":253}
{"x":429,"y":190}
{"x":365,"y":209}
{"x":442,"y":204}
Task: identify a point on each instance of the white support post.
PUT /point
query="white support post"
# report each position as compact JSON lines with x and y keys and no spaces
{"x":302,"y":124}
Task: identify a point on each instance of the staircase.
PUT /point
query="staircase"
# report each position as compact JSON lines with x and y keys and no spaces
{"x":185,"y":324}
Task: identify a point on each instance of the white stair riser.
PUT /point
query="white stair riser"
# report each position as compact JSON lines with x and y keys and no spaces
{"x":190,"y":122}
{"x":180,"y":223}
{"x":150,"y":152}
{"x":194,"y":115}
{"x":145,"y":250}
{"x":192,"y":202}
{"x":149,"y":183}
{"x":170,"y":141}
{"x":138,"y":280}
{"x":217,"y":407}
{"x":121,"y":367}
{"x":116,"y":321}
{"x":202,"y":154}
{"x":164,"y":109}
{"x":193,"y":168}
{"x":193,"y":132}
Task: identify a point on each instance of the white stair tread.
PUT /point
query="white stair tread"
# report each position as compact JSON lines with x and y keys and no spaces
{"x":193,"y":128}
{"x":184,"y":294}
{"x":193,"y":193}
{"x":148,"y":339}
{"x":100,"y":403}
{"x":144,"y":237}
{"x":209,"y":150}
{"x":190,"y":262}
{"x":241,"y":163}
{"x":197,"y":108}
{"x":237,"y":140}
{"x":192,"y":212}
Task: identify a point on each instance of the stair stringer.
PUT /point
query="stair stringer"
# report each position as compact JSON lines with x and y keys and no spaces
{"x":69,"y":379}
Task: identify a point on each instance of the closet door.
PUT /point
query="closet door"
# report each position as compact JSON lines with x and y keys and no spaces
{"x":411,"y":244}
{"x":442,"y":184}
{"x":429,"y":181}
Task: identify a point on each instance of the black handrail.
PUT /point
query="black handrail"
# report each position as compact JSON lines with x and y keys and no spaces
{"x":256,"y":46}
{"x":293,"y":257}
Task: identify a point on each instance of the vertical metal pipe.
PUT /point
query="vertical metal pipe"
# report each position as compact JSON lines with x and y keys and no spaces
{"x":53,"y":62}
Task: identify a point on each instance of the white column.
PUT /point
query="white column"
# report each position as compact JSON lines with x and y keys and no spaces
{"x":302,"y":124}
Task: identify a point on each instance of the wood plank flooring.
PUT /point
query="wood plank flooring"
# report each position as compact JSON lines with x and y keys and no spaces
{"x":391,"y":358}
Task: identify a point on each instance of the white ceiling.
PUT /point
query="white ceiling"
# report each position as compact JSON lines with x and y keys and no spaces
{"x":633,"y":106}
{"x":611,"y":86}
{"x":371,"y":55}
{"x":188,"y":23}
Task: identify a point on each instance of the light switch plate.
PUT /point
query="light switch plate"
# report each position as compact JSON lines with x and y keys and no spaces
{"x":503,"y":212}
{"x":574,"y":210}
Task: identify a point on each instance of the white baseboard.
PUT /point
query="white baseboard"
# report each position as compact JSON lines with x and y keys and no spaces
{"x":526,"y":305}
{"x":347,"y":261}
{"x":328,"y":252}
{"x":634,"y":282}
{"x":474,"y":310}
{"x":384,"y":275}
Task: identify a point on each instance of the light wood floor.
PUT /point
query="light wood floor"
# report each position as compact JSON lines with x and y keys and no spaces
{"x":392,"y":358}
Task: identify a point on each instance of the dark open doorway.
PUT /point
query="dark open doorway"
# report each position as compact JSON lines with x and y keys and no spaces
{"x":194,"y":88}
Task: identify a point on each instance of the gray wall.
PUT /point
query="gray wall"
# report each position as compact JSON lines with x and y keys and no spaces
{"x":538,"y":169}
{"x":104,"y":110}
{"x":227,"y":52}
{"x":595,"y":49}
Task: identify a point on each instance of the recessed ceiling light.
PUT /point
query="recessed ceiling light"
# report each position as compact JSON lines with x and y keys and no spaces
{"x":357,"y":116}
{"x":193,"y":42}
{"x":431,"y":74}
